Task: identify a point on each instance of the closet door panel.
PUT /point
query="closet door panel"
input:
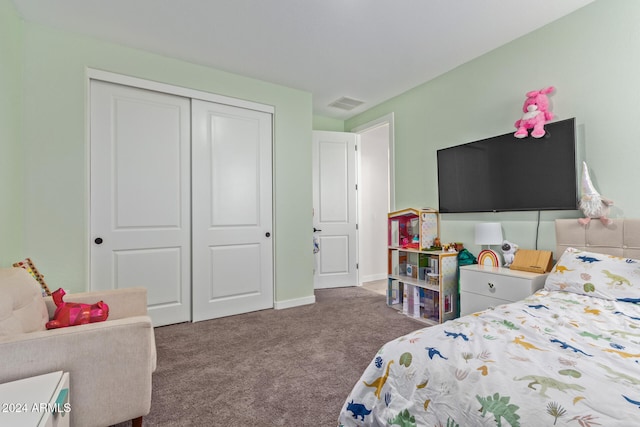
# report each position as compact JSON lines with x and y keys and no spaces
{"x":235,"y":168}
{"x":140,"y":208}
{"x":232,"y":210}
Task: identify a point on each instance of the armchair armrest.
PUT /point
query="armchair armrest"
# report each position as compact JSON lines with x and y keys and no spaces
{"x":123,"y":303}
{"x":110,"y":365}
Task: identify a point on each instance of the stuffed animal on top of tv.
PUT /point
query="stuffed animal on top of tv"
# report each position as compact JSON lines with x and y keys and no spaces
{"x":592,"y":204}
{"x":536,"y":114}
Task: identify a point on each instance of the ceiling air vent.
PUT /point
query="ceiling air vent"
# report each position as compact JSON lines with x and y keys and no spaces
{"x":346,"y":103}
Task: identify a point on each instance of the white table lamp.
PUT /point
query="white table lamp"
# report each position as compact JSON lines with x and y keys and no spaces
{"x":489,"y":233}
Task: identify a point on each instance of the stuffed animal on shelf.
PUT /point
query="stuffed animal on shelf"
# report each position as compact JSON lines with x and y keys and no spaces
{"x":592,"y":204}
{"x":508,"y":252}
{"x":74,"y":313}
{"x":536,"y":114}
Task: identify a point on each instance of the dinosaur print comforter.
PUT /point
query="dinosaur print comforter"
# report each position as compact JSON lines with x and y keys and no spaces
{"x":562,"y":357}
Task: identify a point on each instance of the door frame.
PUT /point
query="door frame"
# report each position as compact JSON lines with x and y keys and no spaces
{"x":110,"y":77}
{"x":388,"y":120}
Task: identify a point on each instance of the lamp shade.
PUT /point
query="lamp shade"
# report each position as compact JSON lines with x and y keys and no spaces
{"x":489,"y":233}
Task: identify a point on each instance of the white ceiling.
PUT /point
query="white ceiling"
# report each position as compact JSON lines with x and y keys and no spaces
{"x":369,"y":50}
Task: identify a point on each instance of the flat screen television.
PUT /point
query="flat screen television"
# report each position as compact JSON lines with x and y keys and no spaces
{"x":504,"y":173}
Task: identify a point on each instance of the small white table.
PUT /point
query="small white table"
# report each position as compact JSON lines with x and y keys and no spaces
{"x":41,"y":401}
{"x":483,"y":287}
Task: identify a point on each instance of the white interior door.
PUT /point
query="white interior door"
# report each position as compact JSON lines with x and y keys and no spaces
{"x":140,"y":196}
{"x":232,"y":210}
{"x":334,"y":209}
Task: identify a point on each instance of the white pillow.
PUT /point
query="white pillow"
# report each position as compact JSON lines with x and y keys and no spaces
{"x":22,"y":308}
{"x":600,"y":275}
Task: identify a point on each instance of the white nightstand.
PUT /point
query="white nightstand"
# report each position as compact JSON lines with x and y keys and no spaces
{"x":483,"y":287}
{"x":41,"y":401}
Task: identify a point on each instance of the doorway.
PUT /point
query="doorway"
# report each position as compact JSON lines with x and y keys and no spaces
{"x":358,"y":252}
{"x":375,"y":196}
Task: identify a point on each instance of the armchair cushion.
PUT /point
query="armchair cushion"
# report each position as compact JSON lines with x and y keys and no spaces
{"x":22,"y":308}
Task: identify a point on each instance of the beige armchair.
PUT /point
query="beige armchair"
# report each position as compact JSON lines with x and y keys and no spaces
{"x":109,"y":363}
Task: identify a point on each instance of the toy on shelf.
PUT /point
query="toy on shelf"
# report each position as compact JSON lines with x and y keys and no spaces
{"x":453,"y":247}
{"x":536,"y":114}
{"x":28,"y":265}
{"x":413,"y":228}
{"x":437,"y":245}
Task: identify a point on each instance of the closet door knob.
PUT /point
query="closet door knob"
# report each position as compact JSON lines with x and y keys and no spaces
{"x":98,"y":240}
{"x":267,"y":234}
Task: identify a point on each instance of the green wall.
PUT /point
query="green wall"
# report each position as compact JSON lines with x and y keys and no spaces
{"x":328,"y":124}
{"x":54,"y":140}
{"x":11,"y":159}
{"x":592,"y":57}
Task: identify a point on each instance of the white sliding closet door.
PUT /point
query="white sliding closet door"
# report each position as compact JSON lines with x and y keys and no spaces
{"x":232,"y":210}
{"x":140,"y":205}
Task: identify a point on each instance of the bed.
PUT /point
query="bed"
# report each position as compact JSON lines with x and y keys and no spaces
{"x":569,"y":355}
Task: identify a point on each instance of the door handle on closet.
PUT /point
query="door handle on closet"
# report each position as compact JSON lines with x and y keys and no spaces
{"x":315,"y":230}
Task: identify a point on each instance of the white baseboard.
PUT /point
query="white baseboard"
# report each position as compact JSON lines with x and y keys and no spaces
{"x":373,"y":278}
{"x":279,"y":305}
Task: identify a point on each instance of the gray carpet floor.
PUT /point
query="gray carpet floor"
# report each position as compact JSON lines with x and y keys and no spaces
{"x":292,"y":367}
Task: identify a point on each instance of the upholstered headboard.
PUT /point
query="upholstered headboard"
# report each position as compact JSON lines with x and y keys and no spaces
{"x":621,"y":238}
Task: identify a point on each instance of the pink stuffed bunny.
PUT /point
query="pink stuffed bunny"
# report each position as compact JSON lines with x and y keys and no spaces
{"x":536,"y":113}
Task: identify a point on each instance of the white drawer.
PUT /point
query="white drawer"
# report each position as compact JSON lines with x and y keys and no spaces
{"x":503,"y":287}
{"x":472,"y":303}
{"x":34,"y":399}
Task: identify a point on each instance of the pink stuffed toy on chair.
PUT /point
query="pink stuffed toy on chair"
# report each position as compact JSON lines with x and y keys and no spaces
{"x":74,"y":313}
{"x":536,"y":114}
